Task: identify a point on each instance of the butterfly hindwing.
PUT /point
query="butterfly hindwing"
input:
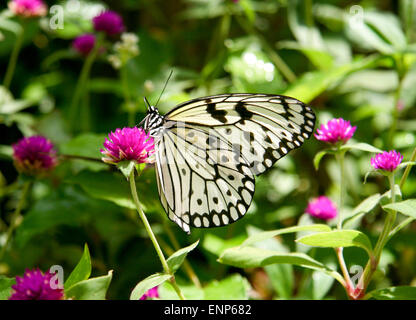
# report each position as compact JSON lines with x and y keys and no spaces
{"x":202,"y":181}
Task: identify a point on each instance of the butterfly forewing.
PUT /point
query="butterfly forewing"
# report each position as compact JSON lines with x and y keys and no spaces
{"x":263,"y":127}
{"x":210,"y":149}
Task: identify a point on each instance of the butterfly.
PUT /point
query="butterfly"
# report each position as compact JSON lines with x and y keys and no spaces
{"x":208,"y":151}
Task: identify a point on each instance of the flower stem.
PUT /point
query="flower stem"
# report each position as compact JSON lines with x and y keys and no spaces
{"x":396,"y":111}
{"x":127,"y":96}
{"x":82,"y":83}
{"x":349,"y":286}
{"x":188,"y":268}
{"x":152,"y":236}
{"x":340,"y":156}
{"x":407,"y":170}
{"x":13,"y":58}
{"x":16,"y":218}
{"x":372,"y":264}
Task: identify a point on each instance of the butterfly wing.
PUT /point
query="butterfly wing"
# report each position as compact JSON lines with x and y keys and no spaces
{"x":211,"y":148}
{"x":201,"y":185}
{"x":263,"y":127}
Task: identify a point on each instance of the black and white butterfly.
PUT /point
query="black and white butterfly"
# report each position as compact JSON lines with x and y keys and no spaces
{"x":209,"y":150}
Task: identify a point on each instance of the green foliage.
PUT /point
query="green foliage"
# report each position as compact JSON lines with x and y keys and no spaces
{"x":349,"y":59}
{"x":81,"y":272}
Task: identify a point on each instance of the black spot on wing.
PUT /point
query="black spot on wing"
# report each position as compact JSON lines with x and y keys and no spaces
{"x":243,"y":112}
{"x":217,"y":114}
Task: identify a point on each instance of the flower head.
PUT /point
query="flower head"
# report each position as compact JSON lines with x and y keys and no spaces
{"x":128,"y":144}
{"x":322,"y":208}
{"x":109,"y":22}
{"x":335,"y":130}
{"x":34,"y":155}
{"x":124,"y":50}
{"x":35,"y":285}
{"x":151,"y":293}
{"x":84,"y":43}
{"x":387,"y":161}
{"x":28,"y":8}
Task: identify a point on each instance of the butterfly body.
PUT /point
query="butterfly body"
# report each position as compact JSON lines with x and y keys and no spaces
{"x":209,"y":150}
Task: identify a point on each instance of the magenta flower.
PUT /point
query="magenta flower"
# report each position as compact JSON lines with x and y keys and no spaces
{"x":28,"y":8}
{"x":109,"y":22}
{"x":35,"y":285}
{"x":387,"y":161}
{"x":84,"y":43}
{"x":322,"y":208}
{"x":128,"y":144}
{"x":151,"y":293}
{"x":34,"y":155}
{"x":335,"y":130}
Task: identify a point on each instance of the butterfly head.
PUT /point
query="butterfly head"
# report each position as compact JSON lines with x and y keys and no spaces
{"x":153,"y":121}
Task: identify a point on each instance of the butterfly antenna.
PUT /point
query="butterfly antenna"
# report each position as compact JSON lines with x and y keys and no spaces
{"x":146,"y":102}
{"x":164,"y":87}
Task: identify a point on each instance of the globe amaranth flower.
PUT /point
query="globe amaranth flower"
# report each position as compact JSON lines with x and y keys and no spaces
{"x":28,"y":8}
{"x":387,"y":161}
{"x":322,"y":208}
{"x":336,"y":130}
{"x":109,"y":22}
{"x":151,"y":293}
{"x":36,"y":285}
{"x":128,"y":144}
{"x":34,"y":155}
{"x":84,"y":43}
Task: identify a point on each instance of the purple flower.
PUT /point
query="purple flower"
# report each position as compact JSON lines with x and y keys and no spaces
{"x":335,"y":130}
{"x":35,"y":285}
{"x":151,"y":293}
{"x":84,"y":43}
{"x":28,"y":8}
{"x":109,"y":22}
{"x":322,"y":208}
{"x":128,"y":144}
{"x":34,"y":155}
{"x":387,"y":160}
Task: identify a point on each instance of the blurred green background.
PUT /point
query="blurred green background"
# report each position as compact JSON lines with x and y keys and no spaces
{"x":350,"y":59}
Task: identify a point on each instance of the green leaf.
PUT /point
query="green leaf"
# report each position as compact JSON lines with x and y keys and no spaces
{"x":6,"y":287}
{"x":405,"y":164}
{"x":281,"y":278}
{"x":216,"y":245}
{"x":249,"y":257}
{"x":150,"y":282}
{"x":91,"y":289}
{"x":234,"y":287}
{"x":364,"y":207}
{"x":406,"y":207}
{"x":102,"y":184}
{"x":361,"y":146}
{"x":82,"y":271}
{"x":177,"y":258}
{"x":338,"y":238}
{"x":386,"y":197}
{"x":312,"y":84}
{"x":270,"y":234}
{"x":190,"y":292}
{"x":318,"y":157}
{"x":394,"y":293}
{"x":378,"y":31}
{"x":86,"y":145}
